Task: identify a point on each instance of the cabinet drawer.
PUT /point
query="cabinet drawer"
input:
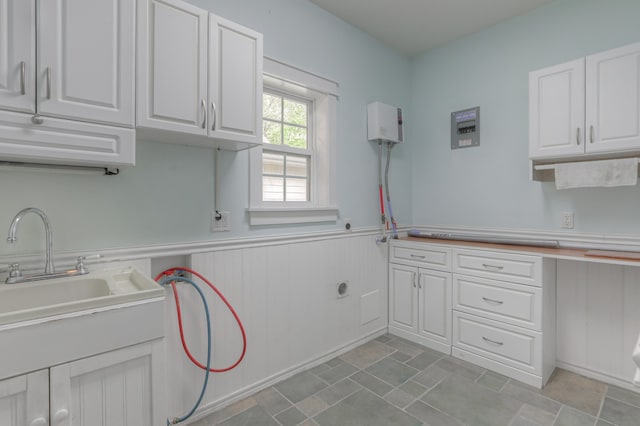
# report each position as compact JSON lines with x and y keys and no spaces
{"x":422,"y":255}
{"x":513,"y":346}
{"x":502,"y":301}
{"x":502,"y":266}
{"x":58,"y":141}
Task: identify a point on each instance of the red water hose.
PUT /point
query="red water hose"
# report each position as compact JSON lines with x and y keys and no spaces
{"x":170,"y":272}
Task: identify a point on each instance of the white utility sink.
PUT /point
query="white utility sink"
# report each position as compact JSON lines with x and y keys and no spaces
{"x":41,"y":299}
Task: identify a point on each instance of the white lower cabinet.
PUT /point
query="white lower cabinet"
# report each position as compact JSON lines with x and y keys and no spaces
{"x":492,"y":308}
{"x":420,"y":300}
{"x":504,"y":313}
{"x":122,"y":387}
{"x":24,"y":400}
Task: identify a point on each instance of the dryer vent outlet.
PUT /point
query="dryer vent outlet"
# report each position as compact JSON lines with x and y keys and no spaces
{"x":342,"y":289}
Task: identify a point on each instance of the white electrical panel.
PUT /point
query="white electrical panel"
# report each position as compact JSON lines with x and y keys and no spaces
{"x":384,"y":123}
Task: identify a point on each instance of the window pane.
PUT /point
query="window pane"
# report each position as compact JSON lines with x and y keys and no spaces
{"x":272,"y":106}
{"x":272,"y":188}
{"x":297,"y":166}
{"x":273,"y":164}
{"x":295,"y":137}
{"x":297,"y":189}
{"x":295,"y":112}
{"x":271,"y":132}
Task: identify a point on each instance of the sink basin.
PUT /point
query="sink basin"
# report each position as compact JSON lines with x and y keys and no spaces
{"x":107,"y":287}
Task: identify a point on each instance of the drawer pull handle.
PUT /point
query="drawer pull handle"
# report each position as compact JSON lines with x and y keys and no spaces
{"x":493,"y":267}
{"x":495,"y":302}
{"x":416,"y":256}
{"x":22,"y":78}
{"x":492,"y":341}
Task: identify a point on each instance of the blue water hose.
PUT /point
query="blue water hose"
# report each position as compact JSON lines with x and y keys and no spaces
{"x":167,"y":281}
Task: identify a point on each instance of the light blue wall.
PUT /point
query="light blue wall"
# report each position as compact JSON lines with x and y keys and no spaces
{"x":489,"y":185}
{"x":168,"y":196}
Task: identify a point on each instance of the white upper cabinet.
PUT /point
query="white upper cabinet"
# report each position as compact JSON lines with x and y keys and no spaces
{"x":172,"y":66}
{"x":17,"y":55}
{"x":67,"y":73}
{"x":588,"y":106}
{"x":613,"y":100}
{"x":556,"y":108}
{"x":235,"y":81}
{"x":86,"y":60}
{"x":199,"y":77}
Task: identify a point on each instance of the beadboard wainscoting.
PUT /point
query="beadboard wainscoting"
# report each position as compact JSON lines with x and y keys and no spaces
{"x":286,"y":295}
{"x":598,"y":319}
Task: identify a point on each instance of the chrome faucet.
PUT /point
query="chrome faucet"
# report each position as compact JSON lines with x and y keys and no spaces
{"x":13,"y":230}
{"x":15,"y":274}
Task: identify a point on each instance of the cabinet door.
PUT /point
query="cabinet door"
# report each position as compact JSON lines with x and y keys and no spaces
{"x":403,"y":306}
{"x":172,"y":66}
{"x":613,"y":99}
{"x":24,"y":400}
{"x":122,"y":387}
{"x":435,"y":305}
{"x":235,"y":82}
{"x":17,"y":55}
{"x":86,"y":60}
{"x":556,"y":111}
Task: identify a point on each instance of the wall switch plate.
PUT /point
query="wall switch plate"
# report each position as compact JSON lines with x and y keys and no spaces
{"x":220,"y":221}
{"x":567,"y":220}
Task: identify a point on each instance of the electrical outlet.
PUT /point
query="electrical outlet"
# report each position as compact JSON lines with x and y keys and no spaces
{"x":220,"y":221}
{"x":567,"y":220}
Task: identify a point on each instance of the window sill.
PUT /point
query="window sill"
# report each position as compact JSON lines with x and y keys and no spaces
{"x":284,"y":216}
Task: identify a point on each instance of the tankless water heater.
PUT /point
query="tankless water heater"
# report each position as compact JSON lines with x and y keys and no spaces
{"x":384,"y":123}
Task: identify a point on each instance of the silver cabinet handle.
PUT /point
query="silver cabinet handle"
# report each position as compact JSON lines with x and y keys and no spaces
{"x":204,"y":114}
{"x":495,"y":302}
{"x":493,"y":267}
{"x":591,"y":134}
{"x":578,"y":136}
{"x":420,"y":281}
{"x":413,"y":278}
{"x":214,"y":115}
{"x":415,"y":256}
{"x":48,"y":82}
{"x":23,"y":71}
{"x":492,"y":341}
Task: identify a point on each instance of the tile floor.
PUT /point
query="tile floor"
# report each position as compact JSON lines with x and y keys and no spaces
{"x":390,"y":381}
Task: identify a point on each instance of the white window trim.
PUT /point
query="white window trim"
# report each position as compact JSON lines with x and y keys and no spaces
{"x":322,"y":207}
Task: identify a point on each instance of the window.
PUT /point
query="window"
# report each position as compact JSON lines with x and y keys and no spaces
{"x":292,"y":176}
{"x":286,"y":161}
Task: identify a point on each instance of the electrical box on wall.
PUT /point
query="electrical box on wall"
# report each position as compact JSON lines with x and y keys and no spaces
{"x":384,"y":123}
{"x":465,"y":128}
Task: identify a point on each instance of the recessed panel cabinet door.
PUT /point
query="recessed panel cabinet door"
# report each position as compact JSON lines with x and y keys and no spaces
{"x":435,"y":305}
{"x":613,"y":99}
{"x":556,"y":111}
{"x":403,"y":306}
{"x":24,"y":400}
{"x":172,"y":66}
{"x":17,"y":55}
{"x":235,"y":81}
{"x":86,"y":60}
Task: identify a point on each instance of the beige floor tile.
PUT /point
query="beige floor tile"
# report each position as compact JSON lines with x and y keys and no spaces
{"x":575,"y":391}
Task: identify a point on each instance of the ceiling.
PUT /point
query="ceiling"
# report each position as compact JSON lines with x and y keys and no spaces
{"x":415,"y":26}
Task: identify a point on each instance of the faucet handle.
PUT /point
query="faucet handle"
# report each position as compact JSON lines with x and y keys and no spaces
{"x":14,"y":270}
{"x":80,"y":263}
